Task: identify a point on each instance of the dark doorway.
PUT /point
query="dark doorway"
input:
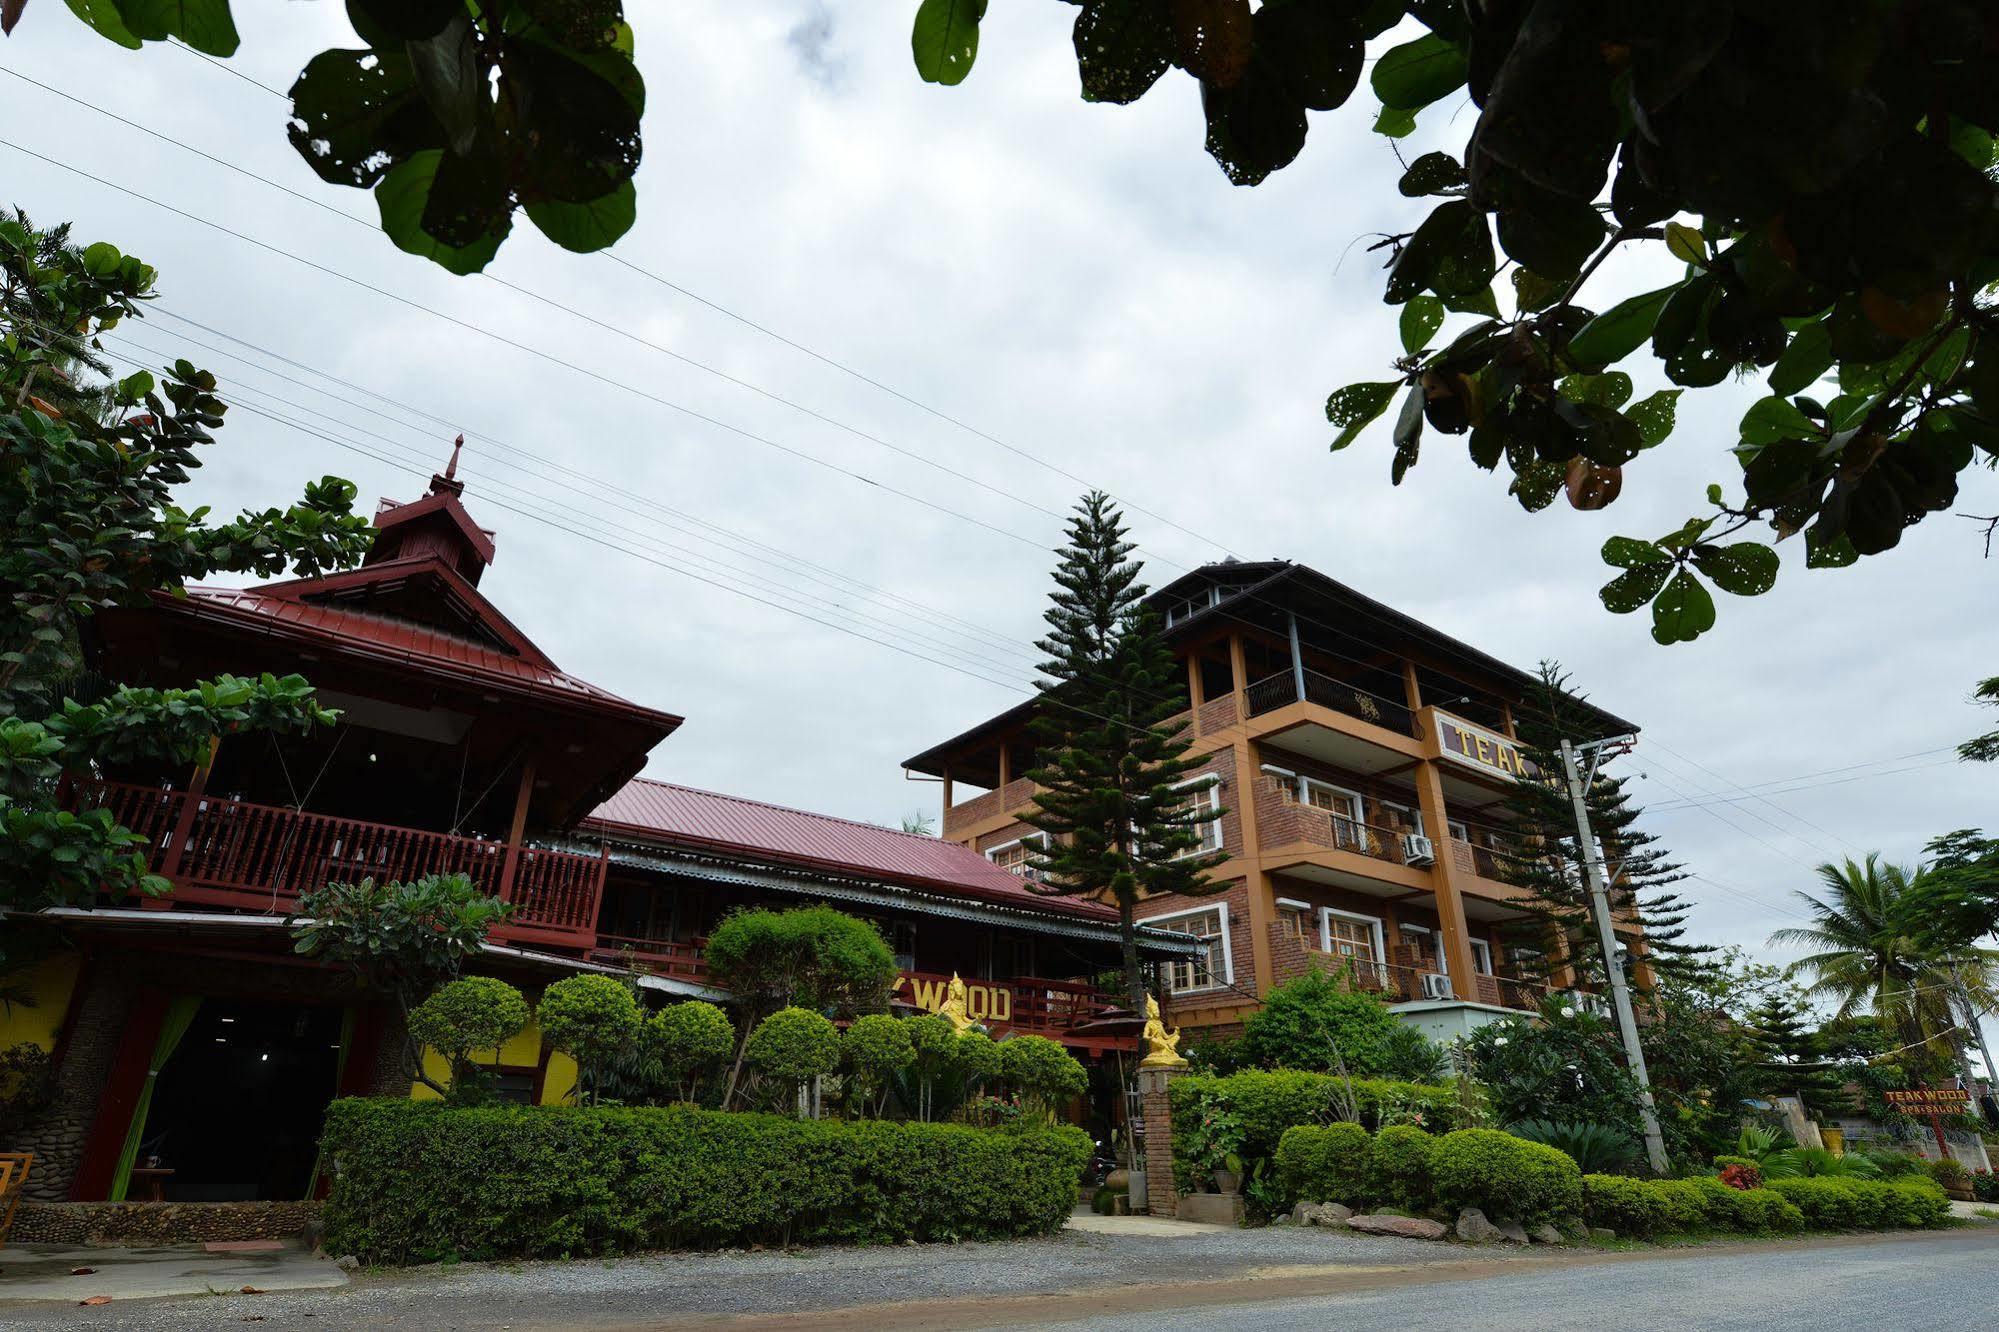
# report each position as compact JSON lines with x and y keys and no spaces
{"x":237,"y":1111}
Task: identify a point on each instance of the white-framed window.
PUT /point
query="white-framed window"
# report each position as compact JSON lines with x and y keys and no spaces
{"x":1459,"y":830}
{"x":1481,"y":957}
{"x":1427,"y":940}
{"x":1209,"y":924}
{"x":1202,"y":794}
{"x":1349,"y":934}
{"x":1194,"y":603}
{"x":1018,"y":856}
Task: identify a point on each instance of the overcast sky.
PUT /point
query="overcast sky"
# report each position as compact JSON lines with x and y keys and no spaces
{"x":1080,"y":282}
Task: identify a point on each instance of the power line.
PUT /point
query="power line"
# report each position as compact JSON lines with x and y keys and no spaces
{"x":1782,"y":809}
{"x":1716,"y":799}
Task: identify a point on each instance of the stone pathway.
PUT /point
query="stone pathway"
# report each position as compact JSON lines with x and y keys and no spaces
{"x":48,"y":1272}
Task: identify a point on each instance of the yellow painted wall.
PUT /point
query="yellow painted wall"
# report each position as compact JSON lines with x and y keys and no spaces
{"x":522,"y":1051}
{"x":50,"y":983}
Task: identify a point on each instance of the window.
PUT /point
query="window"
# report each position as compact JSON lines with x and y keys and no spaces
{"x":1210,"y":832}
{"x":1399,"y":817}
{"x":1018,"y":856}
{"x":1295,"y":921}
{"x":1211,"y":926}
{"x":1181,"y":608}
{"x":1348,"y":935}
{"x":1481,"y":957}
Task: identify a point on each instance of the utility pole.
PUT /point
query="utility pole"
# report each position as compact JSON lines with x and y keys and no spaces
{"x":1977,"y":1022}
{"x":1620,"y":992}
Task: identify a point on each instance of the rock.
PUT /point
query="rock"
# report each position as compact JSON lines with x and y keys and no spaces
{"x":1404,"y":1227}
{"x":347,"y":1262}
{"x":1320,"y":1214}
{"x":1513,"y":1233}
{"x":1545,"y":1234}
{"x":1601,"y":1233}
{"x":1473,"y":1228}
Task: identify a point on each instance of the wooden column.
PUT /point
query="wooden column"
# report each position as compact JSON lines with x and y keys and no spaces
{"x":517,"y":829}
{"x":1444,"y":881}
{"x":1004,"y":774}
{"x":1194,"y":698}
{"x":1506,"y":719}
{"x":197,"y":787}
{"x":945,"y":817}
{"x":1239,"y":670}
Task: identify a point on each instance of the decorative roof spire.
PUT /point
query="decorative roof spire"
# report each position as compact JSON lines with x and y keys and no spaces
{"x":448,"y":481}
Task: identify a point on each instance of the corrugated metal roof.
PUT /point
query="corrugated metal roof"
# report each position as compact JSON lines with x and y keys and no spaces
{"x":401,"y":640}
{"x":681,"y":815}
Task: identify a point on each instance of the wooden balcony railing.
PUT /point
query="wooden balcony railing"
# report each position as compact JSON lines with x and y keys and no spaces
{"x":1000,"y":800}
{"x":1027,"y":1003}
{"x":1276,"y":691}
{"x":262,"y":857}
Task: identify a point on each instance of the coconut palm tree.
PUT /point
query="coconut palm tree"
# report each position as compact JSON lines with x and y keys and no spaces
{"x":1869,"y":955}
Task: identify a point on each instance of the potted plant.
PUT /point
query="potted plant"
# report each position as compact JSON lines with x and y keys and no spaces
{"x":1228,"y":1175}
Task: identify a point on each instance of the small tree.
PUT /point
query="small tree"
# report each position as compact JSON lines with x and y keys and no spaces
{"x":466,"y":1015}
{"x":808,"y":957}
{"x":590,"y":1019}
{"x":1319,"y":1024}
{"x":1041,"y":1072}
{"x":691,"y":1041}
{"x":793,"y":1047}
{"x":875,"y":1048}
{"x":409,"y":938}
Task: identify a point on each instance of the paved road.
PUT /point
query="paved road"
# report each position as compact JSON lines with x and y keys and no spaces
{"x":1210,"y":1278}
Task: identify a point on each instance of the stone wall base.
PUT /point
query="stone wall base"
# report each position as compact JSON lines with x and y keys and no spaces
{"x":144,"y":1224}
{"x":1215,"y":1209}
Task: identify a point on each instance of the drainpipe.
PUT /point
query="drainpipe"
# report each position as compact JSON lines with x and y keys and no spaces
{"x":1297,"y":657}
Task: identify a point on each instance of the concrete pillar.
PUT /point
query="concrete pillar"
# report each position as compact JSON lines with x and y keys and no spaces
{"x":1443,"y":879}
{"x":1160,"y":1195}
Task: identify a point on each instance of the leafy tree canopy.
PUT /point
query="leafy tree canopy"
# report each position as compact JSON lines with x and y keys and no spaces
{"x":88,"y":466}
{"x":1319,"y":1023}
{"x":456,"y":114}
{"x":1822,"y":170}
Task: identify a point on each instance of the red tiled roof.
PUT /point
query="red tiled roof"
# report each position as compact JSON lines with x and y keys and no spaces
{"x":661,"y":812}
{"x":276,"y":610}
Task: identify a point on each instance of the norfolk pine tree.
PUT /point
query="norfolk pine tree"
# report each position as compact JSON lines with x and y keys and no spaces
{"x":1110,"y":769}
{"x":1548,"y":863}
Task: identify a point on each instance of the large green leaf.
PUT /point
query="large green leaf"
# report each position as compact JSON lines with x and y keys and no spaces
{"x":1771,"y":419}
{"x":587,"y":226}
{"x":945,"y":39}
{"x":1314,"y":49}
{"x":357,"y":113}
{"x":1634,"y":587}
{"x":1808,"y":356}
{"x":1254,"y":126}
{"x":1355,"y":407}
{"x":1421,"y":318}
{"x":1745,"y":569}
{"x":1413,"y":75}
{"x":104,"y":18}
{"x":1620,"y":330}
{"x":205,"y":25}
{"x":1450,"y":253}
{"x":1654,"y":415}
{"x":1122,"y":48}
{"x":404,"y":195}
{"x":1683,"y":611}
{"x":1631,"y":553}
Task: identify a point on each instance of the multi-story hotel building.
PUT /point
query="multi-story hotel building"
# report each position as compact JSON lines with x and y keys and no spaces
{"x":1363,"y":760}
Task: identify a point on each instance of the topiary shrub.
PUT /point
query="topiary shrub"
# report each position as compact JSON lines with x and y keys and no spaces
{"x":1829,"y":1203}
{"x":1686,"y":1204}
{"x":1506,"y":1177}
{"x":1041,"y":1072}
{"x":1324,"y":1163}
{"x":793,"y":1046}
{"x":590,"y":1019}
{"x":1400,"y":1166}
{"x":469,"y":1014}
{"x":1950,"y":1172}
{"x":1749,"y":1211}
{"x":1631,"y":1207}
{"x":874,"y":1049}
{"x":420,"y":1181}
{"x":1915,"y":1201}
{"x":692,"y":1041}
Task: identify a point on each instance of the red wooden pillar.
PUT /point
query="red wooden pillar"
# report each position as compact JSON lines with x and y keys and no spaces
{"x":197,"y":786}
{"x":517,"y":830}
{"x":121,"y":1096}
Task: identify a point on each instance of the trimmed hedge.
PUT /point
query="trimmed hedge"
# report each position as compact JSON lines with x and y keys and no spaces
{"x":1268,"y":1102}
{"x":1505,"y":1177}
{"x":1642,"y":1207}
{"x":1835,"y":1202}
{"x":420,"y":1181}
{"x":1402,"y":1164}
{"x":1326,"y":1163}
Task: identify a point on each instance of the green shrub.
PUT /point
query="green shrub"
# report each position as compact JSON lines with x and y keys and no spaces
{"x":1325,"y":1163}
{"x":1817,"y":1163}
{"x":1949,"y":1172}
{"x":591,"y":1019}
{"x":1916,"y":1201}
{"x":469,"y":1014}
{"x":1829,"y":1203}
{"x":1041,"y":1071}
{"x":793,"y":1046}
{"x":1600,"y":1149}
{"x":416,"y":1182}
{"x":1754,"y":1163}
{"x":1507,"y":1178}
{"x":1304,"y":1022}
{"x":1631,"y":1207}
{"x":875,"y":1048}
{"x":1268,"y":1102}
{"x":1686,"y":1204}
{"x":1747,"y":1211}
{"x":976,"y":1058}
{"x":1894,"y":1165}
{"x":1399,"y":1166}
{"x":692,"y":1041}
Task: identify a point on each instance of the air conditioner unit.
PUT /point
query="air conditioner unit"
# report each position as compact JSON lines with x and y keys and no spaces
{"x":1417,"y":850}
{"x":1436,"y":985}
